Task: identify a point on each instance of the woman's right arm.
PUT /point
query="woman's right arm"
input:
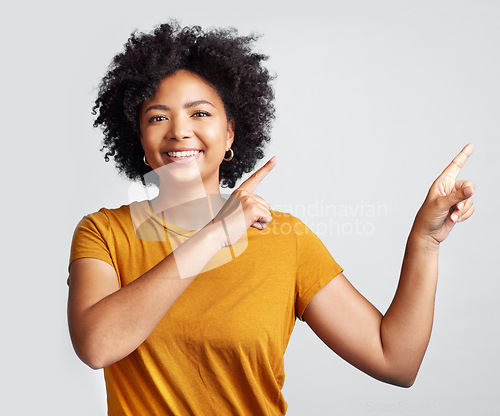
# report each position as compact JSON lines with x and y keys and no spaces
{"x":107,"y":322}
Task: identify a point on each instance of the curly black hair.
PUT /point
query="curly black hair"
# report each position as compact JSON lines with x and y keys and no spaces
{"x":221,"y":57}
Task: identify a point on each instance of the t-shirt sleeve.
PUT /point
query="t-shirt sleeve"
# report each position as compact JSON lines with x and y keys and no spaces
{"x":315,"y":266}
{"x":89,"y":239}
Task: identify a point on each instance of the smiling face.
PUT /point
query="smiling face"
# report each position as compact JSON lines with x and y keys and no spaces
{"x":184,"y":123}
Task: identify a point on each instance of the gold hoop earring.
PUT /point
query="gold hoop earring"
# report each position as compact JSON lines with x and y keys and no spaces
{"x":232,"y":155}
{"x":145,"y":161}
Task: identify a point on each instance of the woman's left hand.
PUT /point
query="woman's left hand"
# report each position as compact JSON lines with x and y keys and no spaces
{"x":448,"y":201}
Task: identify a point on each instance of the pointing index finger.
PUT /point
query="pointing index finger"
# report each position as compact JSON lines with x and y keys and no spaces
{"x":457,"y":163}
{"x":251,"y":183}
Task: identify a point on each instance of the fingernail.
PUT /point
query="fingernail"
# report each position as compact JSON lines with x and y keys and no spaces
{"x":469,"y":191}
{"x":460,"y":205}
{"x":454,"y":217}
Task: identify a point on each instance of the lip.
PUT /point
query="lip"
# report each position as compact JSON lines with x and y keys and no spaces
{"x":169,"y":159}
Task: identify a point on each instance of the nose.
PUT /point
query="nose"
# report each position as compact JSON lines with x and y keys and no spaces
{"x":180,"y":128}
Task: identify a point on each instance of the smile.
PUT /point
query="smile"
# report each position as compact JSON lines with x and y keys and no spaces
{"x":183,"y":154}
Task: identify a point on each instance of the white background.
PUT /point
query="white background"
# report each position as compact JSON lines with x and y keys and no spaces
{"x":373,"y":98}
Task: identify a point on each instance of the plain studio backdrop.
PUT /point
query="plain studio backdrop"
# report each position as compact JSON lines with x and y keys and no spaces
{"x":373,"y":99}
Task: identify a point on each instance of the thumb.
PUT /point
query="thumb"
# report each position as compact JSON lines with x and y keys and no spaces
{"x":466,"y":190}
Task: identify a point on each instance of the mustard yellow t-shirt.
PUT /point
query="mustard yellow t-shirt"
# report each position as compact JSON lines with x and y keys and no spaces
{"x":219,"y":349}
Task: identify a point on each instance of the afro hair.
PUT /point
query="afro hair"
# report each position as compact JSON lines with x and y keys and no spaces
{"x":221,"y":57}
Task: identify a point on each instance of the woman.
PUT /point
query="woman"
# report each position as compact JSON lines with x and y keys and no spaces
{"x":188,"y":301}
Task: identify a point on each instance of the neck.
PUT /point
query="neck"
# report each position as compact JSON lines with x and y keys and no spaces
{"x":184,"y":199}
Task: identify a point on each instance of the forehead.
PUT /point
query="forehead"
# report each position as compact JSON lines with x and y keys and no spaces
{"x":184,"y":86}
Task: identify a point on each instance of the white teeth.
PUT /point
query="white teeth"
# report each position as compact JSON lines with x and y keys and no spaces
{"x":184,"y":154}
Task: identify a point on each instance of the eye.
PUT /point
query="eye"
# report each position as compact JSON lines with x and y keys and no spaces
{"x":201,"y":113}
{"x":157,"y":118}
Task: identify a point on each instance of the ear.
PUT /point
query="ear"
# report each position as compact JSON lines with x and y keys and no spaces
{"x":230,"y":133}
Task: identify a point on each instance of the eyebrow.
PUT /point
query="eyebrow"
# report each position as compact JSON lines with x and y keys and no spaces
{"x":187,"y":105}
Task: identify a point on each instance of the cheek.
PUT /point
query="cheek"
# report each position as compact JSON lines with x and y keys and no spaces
{"x":215,"y":137}
{"x":150,"y":137}
{"x":145,"y":143}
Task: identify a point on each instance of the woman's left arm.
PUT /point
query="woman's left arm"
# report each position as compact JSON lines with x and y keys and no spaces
{"x":391,"y":347}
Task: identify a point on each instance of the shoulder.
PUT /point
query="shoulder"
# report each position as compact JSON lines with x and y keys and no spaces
{"x":122,"y":212}
{"x":287,"y":228}
{"x":106,"y":218}
{"x":286,"y":223}
{"x":290,"y":228}
{"x":109,"y":215}
{"x":283,"y":217}
{"x":136,"y":218}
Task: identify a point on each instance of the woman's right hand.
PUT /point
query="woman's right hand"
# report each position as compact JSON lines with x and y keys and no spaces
{"x":107,"y":322}
{"x":244,"y":209}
